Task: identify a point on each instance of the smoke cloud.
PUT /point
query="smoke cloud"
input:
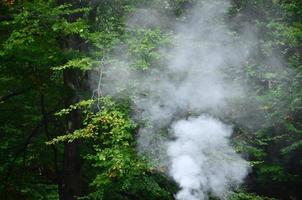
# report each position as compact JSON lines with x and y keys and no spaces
{"x":202,"y":159}
{"x":182,"y":100}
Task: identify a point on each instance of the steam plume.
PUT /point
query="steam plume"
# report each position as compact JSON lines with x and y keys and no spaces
{"x":202,"y":160}
{"x":188,"y":96}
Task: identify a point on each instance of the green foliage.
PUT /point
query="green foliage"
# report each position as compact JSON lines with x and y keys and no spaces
{"x":31,"y":92}
{"x":143,"y":46}
{"x":110,"y":131}
{"x":241,"y":195}
{"x":274,"y":149}
{"x":41,"y":42}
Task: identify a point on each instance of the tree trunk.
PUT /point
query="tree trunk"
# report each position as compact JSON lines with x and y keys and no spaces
{"x":72,"y":181}
{"x":71,"y":178}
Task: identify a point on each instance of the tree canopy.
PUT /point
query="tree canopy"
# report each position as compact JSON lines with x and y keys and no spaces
{"x":63,"y":138}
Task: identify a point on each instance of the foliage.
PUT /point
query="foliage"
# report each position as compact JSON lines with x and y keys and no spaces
{"x":241,"y":195}
{"x":42,"y":42}
{"x":121,"y":171}
{"x":274,"y":149}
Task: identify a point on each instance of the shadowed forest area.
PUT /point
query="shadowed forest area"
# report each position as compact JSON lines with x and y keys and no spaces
{"x":150,"y":99}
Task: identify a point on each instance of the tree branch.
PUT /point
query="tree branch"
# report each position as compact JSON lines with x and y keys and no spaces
{"x":13,"y":94}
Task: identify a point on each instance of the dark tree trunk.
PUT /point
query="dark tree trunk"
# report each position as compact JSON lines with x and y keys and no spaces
{"x":74,"y":79}
{"x":71,"y":178}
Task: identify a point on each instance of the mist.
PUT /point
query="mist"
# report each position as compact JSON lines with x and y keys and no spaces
{"x":185,"y":105}
{"x":202,"y":160}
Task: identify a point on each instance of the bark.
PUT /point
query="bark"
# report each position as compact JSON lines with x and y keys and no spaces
{"x":72,"y":177}
{"x":74,"y":81}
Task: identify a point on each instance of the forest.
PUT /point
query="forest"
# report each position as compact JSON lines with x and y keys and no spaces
{"x":151,"y":99}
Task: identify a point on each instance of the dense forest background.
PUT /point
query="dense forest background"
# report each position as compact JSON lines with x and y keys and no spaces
{"x":62,"y":140}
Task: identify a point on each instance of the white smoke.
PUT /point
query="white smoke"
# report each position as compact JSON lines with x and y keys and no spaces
{"x":202,"y":160}
{"x":193,"y":82}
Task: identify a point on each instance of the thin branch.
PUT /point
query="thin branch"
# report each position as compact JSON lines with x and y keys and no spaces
{"x":46,"y":130}
{"x":33,"y":133}
{"x":24,"y":147}
{"x":13,"y":94}
{"x":98,"y":91}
